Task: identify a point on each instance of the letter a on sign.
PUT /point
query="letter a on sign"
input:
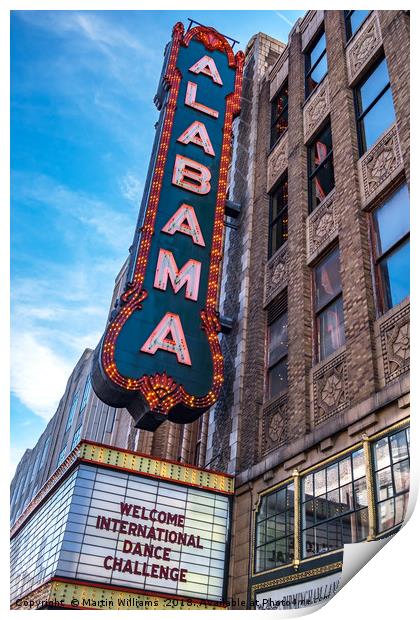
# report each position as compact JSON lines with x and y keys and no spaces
{"x":184,"y":220}
{"x":169,"y":336}
{"x":207,"y":66}
{"x":197,"y":133}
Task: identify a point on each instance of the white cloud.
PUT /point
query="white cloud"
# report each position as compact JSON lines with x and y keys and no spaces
{"x":38,"y":375}
{"x":131,"y":188}
{"x":284,"y":18}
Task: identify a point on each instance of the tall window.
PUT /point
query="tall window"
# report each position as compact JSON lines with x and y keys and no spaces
{"x":374,"y":106}
{"x":391,"y":226}
{"x":329,"y":305}
{"x":86,"y":394}
{"x":279,"y":113}
{"x":278,"y":217}
{"x":315,"y":63}
{"x":274,"y":529}
{"x":72,"y":410}
{"x":391,"y":456}
{"x":62,"y":455}
{"x":277,"y":347}
{"x":321,"y":167}
{"x":354,"y":20}
{"x":334,"y":506}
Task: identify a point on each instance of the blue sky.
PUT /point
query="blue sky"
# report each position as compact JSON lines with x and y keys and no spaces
{"x":82,"y":117}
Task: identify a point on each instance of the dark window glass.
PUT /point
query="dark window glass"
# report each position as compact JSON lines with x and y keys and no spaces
{"x":329,"y":305}
{"x":374,"y":106}
{"x":392,"y":248}
{"x":274,"y":538}
{"x":334,"y":506}
{"x":86,"y":394}
{"x":321,"y":168}
{"x":354,"y":20}
{"x":279,"y":114}
{"x":278,"y":217}
{"x":315,"y":63}
{"x":391,"y":462}
{"x":72,"y":410}
{"x":277,"y":356}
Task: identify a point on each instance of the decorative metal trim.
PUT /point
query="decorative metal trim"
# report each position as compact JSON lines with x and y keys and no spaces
{"x":313,"y":572}
{"x":370,"y":488}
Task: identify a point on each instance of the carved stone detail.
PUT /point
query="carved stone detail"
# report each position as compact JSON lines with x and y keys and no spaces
{"x":274,"y":425}
{"x":277,"y":162}
{"x":395,"y":344}
{"x":330,"y":385}
{"x":316,"y":109}
{"x":363,"y":47}
{"x":276,"y":274}
{"x":380,"y":164}
{"x":322,"y":225}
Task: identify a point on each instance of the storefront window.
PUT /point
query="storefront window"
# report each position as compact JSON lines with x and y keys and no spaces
{"x":329,"y":305}
{"x":274,"y":529}
{"x":321,"y":168}
{"x":279,"y":114}
{"x":374,"y":106}
{"x":391,"y":458}
{"x":354,"y":20}
{"x":278,"y":217}
{"x":334,"y":506}
{"x":391,"y":223}
{"x":315,"y":63}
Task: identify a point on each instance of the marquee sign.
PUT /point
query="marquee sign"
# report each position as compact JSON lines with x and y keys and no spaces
{"x":126,"y":522}
{"x":160,"y":356}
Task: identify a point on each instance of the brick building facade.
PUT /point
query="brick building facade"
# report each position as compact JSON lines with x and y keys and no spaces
{"x":314,"y":411}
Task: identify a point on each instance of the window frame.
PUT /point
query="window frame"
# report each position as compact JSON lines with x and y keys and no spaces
{"x":309,"y":69}
{"x":284,"y":180}
{"x":377,"y":501}
{"x":329,"y":463}
{"x":312,"y":173}
{"x":347,"y":23}
{"x":325,"y":306}
{"x":289,"y":511}
{"x":285,"y":112}
{"x":285,"y":356}
{"x":357,"y":102}
{"x":383,"y":304}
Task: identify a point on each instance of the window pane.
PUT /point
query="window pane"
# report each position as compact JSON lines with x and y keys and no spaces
{"x":386,"y":515}
{"x":332,"y":477}
{"x":402,"y":476}
{"x":277,"y":378}
{"x":279,"y":200}
{"x":356,"y":18}
{"x":395,"y":274}
{"x":321,"y":147}
{"x":381,"y":454}
{"x":331,"y":329}
{"x":279,"y":233}
{"x":346,"y":497}
{"x":322,"y":183}
{"x":392,"y":220}
{"x":377,"y":120}
{"x":327,"y":279}
{"x":384,"y":483}
{"x":308,"y":484}
{"x":317,"y":50}
{"x":277,"y":339}
{"x":399,"y":449}
{"x":345,"y":471}
{"x":373,"y":85}
{"x":401,"y":503}
{"x":309,"y":543}
{"x":359,"y":468}
{"x":319,"y":481}
{"x":317,"y":74}
{"x":360,"y":493}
